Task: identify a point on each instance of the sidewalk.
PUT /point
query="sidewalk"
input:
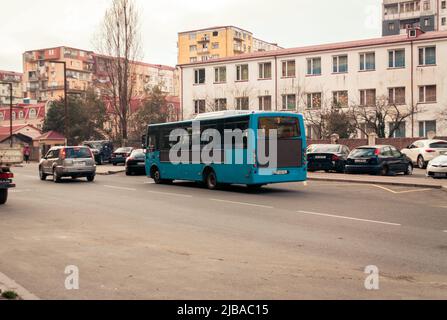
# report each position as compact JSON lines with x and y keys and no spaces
{"x":398,"y":180}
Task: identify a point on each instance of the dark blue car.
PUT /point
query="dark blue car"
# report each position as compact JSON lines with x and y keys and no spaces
{"x":327,"y":157}
{"x":379,"y":160}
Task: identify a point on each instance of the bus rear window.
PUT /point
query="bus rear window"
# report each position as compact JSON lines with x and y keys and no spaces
{"x":286,"y":127}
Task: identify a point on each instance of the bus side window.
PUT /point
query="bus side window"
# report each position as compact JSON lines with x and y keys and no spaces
{"x":152,"y":143}
{"x":238,"y":124}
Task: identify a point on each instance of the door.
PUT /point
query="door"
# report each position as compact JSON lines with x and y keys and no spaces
{"x":51,"y":157}
{"x":388,"y":159}
{"x":399,"y":159}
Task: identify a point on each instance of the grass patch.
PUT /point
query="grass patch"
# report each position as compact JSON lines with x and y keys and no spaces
{"x":10,"y":295}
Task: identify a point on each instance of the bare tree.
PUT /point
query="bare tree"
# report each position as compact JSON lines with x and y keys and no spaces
{"x":375,"y":118}
{"x":119,"y":43}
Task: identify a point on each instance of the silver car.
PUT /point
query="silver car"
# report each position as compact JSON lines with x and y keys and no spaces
{"x":74,"y":162}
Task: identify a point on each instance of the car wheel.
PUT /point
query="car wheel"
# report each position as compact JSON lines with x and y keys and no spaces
{"x":128,"y":173}
{"x":3,"y":196}
{"x":421,"y":163}
{"x":211,"y":180}
{"x":90,"y":178}
{"x":384,"y":171}
{"x":409,"y":170}
{"x":42,"y":175}
{"x":56,"y":178}
{"x":114,"y":164}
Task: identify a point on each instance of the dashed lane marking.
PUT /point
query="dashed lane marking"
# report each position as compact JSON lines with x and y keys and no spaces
{"x":348,"y":218}
{"x":243,"y":203}
{"x":120,"y":188}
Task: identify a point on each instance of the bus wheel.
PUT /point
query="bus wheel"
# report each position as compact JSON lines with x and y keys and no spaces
{"x":156,"y":176}
{"x":3,"y":196}
{"x":211,"y":180}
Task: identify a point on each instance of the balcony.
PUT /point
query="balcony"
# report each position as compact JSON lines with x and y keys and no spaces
{"x":203,"y":40}
{"x":203,"y":51}
{"x":238,"y":49}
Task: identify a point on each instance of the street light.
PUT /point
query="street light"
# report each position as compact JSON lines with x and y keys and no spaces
{"x":65,"y":98}
{"x":10,"y":111}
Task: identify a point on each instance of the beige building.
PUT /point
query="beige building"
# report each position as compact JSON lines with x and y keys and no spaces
{"x":408,"y":71}
{"x":218,"y":42}
{"x":17,"y":91}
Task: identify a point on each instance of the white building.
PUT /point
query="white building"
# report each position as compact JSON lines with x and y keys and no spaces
{"x":408,"y":70}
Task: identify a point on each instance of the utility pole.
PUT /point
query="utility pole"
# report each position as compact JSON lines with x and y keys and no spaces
{"x":10,"y":111}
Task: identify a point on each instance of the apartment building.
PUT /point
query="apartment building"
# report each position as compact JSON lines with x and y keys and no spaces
{"x":17,"y":92}
{"x":408,"y":71}
{"x":43,"y":77}
{"x":218,"y":42}
{"x":399,"y":15}
{"x":24,"y":114}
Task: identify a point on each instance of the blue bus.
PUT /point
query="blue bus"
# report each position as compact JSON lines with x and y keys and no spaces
{"x":239,"y":159}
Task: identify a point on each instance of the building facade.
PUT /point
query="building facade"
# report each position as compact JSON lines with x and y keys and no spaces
{"x":17,"y":90}
{"x":218,"y":42}
{"x":408,"y":72}
{"x":398,"y":15}
{"x":24,"y":114}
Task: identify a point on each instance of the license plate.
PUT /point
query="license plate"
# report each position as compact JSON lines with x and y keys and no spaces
{"x":119,"y":156}
{"x":79,"y":164}
{"x":320,"y":157}
{"x":361,"y":161}
{"x":440,"y":175}
{"x":280,"y":172}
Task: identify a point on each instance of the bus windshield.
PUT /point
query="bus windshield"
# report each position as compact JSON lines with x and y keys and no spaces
{"x":286,"y":127}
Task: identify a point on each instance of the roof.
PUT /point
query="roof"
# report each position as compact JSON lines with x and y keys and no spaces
{"x":215,"y":28}
{"x":26,"y":109}
{"x":10,"y":73}
{"x":51,"y":135}
{"x":328,"y":47}
{"x":59,"y":47}
{"x":157,"y":66}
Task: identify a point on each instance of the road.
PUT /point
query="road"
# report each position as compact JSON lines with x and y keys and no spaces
{"x":132,"y":239}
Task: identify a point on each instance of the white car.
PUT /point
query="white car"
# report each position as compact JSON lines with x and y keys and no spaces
{"x":437,"y":168}
{"x":423,"y":151}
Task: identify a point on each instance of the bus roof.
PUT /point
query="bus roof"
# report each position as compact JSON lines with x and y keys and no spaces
{"x":228,"y":115}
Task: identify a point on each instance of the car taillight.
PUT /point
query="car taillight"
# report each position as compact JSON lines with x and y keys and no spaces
{"x":377,"y":152}
{"x":91,"y":153}
{"x":63,"y":154}
{"x":6,"y":175}
{"x":335,"y":157}
{"x":430,"y":150}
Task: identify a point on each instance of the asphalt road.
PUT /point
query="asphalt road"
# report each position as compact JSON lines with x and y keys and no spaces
{"x":132,"y":239}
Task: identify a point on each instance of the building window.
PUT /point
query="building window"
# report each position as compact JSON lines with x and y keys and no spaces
{"x":400,"y":131}
{"x":288,"y":68}
{"x":192,"y":36}
{"x":444,"y":5}
{"x":214,"y":56}
{"x":265,"y":103}
{"x":215,"y":33}
{"x":193,"y":59}
{"x":220,"y":74}
{"x":193,"y":48}
{"x":443,"y":21}
{"x":220,"y":104}
{"x":396,"y":58}
{"x":199,"y":106}
{"x":13,"y":115}
{"x":427,"y":56}
{"x":289,"y":102}
{"x":215,"y":45}
{"x":427,"y":94}
{"x":425,"y":127}
{"x":391,"y":26}
{"x":368,"y":97}
{"x":426,"y":22}
{"x":242,"y":103}
{"x":340,"y":98}
{"x":314,"y":100}
{"x":340,"y":64}
{"x":314,"y":66}
{"x":367,"y":61}
{"x":426,"y":5}
{"x":199,"y":76}
{"x":20,"y":114}
{"x":396,"y":95}
{"x":265,"y":70}
{"x":2,"y":117}
{"x":242,"y":72}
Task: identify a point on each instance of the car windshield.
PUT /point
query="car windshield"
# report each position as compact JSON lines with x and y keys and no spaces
{"x":123,"y":150}
{"x":77,"y":153}
{"x":439,"y":145}
{"x":363,"y":152}
{"x":324,"y":149}
{"x":138,"y":153}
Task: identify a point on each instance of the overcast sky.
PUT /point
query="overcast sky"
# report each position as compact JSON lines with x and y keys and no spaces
{"x":36,"y":24}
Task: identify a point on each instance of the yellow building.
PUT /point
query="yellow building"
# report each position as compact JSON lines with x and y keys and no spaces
{"x":218,"y":42}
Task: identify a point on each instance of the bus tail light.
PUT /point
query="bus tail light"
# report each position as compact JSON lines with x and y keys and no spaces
{"x":255,"y":160}
{"x":6,"y":175}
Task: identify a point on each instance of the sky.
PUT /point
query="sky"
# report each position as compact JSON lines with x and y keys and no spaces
{"x":37,"y":24}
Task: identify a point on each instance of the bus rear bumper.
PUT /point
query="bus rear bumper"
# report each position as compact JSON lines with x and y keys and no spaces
{"x":283,"y":175}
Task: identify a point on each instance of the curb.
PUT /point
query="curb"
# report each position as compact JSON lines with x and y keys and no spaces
{"x":8,"y":284}
{"x":388,"y":183}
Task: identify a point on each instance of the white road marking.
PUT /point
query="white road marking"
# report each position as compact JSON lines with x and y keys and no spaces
{"x":171,"y":194}
{"x":243,"y":203}
{"x":9,"y":284}
{"x":120,"y":188}
{"x":445,"y":231}
{"x":400,"y":192}
{"x":19,"y":190}
{"x":348,"y":218}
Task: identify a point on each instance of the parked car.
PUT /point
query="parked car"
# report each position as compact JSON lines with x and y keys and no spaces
{"x":327,"y":157}
{"x":8,"y":157}
{"x":423,"y":151}
{"x":381,"y":160}
{"x":74,"y":162}
{"x":135,"y":163}
{"x":102,"y":150}
{"x":437,"y":168}
{"x":120,"y":155}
